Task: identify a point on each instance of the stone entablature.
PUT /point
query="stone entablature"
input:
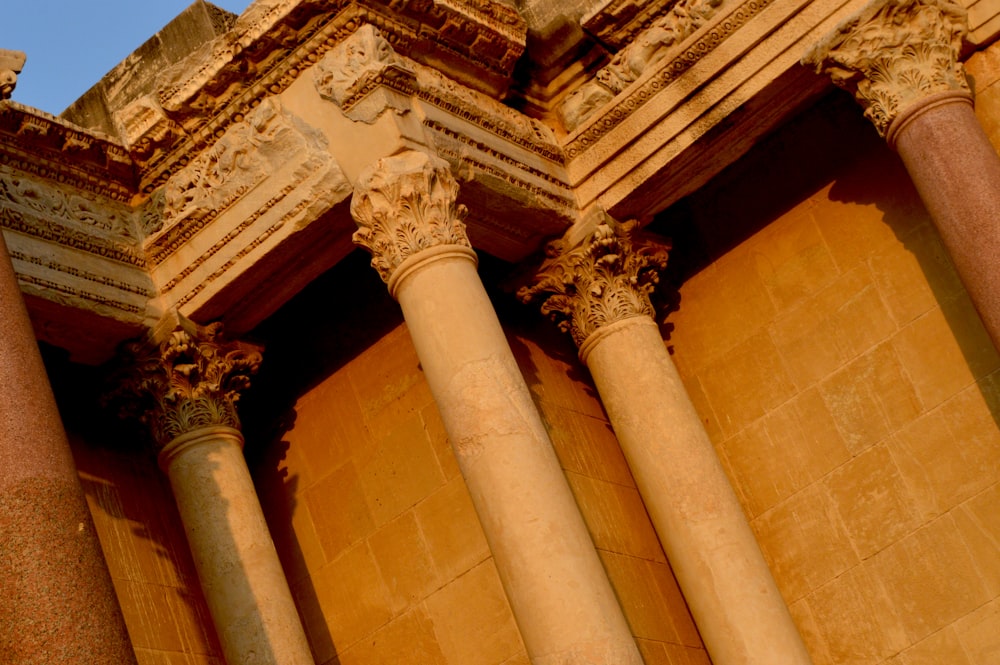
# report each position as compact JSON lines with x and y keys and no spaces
{"x":616,"y":23}
{"x":271,"y":44}
{"x":71,"y":231}
{"x":510,"y":162}
{"x":260,"y":134}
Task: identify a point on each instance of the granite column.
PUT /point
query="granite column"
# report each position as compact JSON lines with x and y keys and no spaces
{"x":57,"y":602}
{"x":560,"y":595}
{"x":185,"y":388}
{"x":900,"y":60}
{"x":598,"y":289}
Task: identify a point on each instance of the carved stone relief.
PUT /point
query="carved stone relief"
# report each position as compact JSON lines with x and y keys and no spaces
{"x":191,"y":379}
{"x":603,"y":279}
{"x":894,"y":53}
{"x":273,"y":42}
{"x":649,"y":47}
{"x":71,"y":218}
{"x":11,"y":63}
{"x":615,"y":23}
{"x":366,"y":51}
{"x":267,"y":141}
{"x":404,"y":204}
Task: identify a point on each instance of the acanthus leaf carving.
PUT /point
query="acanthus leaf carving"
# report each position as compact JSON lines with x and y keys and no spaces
{"x":895,"y":53}
{"x":404,"y":204}
{"x":191,"y":379}
{"x":607,"y":277}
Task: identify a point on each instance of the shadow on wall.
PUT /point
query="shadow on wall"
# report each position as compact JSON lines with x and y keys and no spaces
{"x":882,"y":181}
{"x":136,"y":519}
{"x":333,"y":319}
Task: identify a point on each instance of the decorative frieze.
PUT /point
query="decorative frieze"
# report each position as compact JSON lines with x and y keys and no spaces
{"x":615,"y":23}
{"x":649,"y":47}
{"x":269,"y":140}
{"x":190,"y":380}
{"x":405,"y":204}
{"x":607,"y":277}
{"x":895,"y":53}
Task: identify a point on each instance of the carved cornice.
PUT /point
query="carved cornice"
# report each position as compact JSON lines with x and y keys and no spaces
{"x":403,"y":205}
{"x":615,"y":23}
{"x":338,"y":75}
{"x":190,"y":380}
{"x":38,"y":143}
{"x":895,"y":53}
{"x":600,"y":111}
{"x":272,"y":43}
{"x":603,"y":279}
{"x":649,"y":47}
{"x":366,"y":60}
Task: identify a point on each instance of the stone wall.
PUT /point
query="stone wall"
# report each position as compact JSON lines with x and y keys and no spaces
{"x":139,"y":529}
{"x":850,"y":390}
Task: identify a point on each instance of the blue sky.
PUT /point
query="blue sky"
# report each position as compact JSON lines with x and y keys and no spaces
{"x":71,"y":44}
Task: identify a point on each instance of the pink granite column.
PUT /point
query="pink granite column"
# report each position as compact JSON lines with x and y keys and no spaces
{"x":957,"y":172}
{"x":900,"y":60}
{"x":57,"y":602}
{"x":598,"y":288}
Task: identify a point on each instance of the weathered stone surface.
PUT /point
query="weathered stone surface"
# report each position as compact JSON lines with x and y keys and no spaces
{"x":11,"y":63}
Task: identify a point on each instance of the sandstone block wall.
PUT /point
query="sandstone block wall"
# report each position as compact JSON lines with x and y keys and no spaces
{"x":851,"y":393}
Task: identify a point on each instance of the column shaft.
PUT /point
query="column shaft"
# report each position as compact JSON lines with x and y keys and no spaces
{"x":739,"y":612}
{"x":57,"y":602}
{"x":237,"y":565}
{"x":957,"y":172}
{"x":559,"y":592}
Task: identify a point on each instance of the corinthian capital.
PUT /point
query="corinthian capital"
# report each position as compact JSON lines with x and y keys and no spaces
{"x":895,"y":53}
{"x":403,"y":205}
{"x":606,"y":278}
{"x":189,"y":380}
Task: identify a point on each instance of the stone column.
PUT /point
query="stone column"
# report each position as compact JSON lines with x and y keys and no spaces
{"x":57,"y":602}
{"x":900,"y":60}
{"x":562,"y":601}
{"x":185,"y":389}
{"x":597,"y":289}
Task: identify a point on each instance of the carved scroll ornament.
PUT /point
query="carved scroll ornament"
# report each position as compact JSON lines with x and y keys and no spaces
{"x":404,"y":204}
{"x":895,"y":53}
{"x":190,"y":380}
{"x":606,"y":278}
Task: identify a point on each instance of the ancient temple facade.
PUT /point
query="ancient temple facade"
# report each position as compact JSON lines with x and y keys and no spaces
{"x":508,"y":332}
